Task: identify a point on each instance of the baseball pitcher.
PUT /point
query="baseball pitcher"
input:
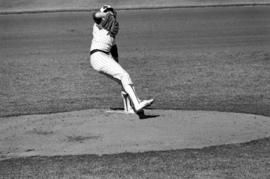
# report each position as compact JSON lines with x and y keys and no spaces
{"x":104,"y":57}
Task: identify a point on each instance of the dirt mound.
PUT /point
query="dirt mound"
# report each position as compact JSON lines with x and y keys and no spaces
{"x":103,"y":132}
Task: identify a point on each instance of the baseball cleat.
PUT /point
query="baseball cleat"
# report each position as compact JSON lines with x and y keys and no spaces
{"x":143,"y":104}
{"x":141,"y":114}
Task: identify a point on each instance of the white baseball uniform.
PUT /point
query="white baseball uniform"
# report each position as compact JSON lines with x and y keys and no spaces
{"x":101,"y":59}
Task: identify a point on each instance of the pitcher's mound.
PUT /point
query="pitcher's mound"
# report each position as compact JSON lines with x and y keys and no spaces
{"x":100,"y":132}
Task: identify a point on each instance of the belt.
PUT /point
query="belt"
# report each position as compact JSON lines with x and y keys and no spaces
{"x":97,"y":50}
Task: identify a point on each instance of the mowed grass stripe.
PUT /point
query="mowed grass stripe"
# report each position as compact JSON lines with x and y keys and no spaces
{"x":241,"y":161}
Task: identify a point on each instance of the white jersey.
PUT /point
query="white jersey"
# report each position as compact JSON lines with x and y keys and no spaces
{"x":101,"y":39}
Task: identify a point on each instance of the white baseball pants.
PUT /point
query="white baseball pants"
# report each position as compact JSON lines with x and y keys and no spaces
{"x":105,"y":64}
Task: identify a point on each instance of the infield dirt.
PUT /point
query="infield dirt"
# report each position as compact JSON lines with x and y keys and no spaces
{"x":100,"y":132}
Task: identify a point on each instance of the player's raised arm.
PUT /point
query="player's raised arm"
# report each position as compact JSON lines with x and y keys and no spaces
{"x":99,"y":15}
{"x":103,"y":12}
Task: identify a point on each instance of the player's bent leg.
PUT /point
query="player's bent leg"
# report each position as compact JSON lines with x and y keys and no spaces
{"x":128,"y":87}
{"x":106,"y":65}
{"x":130,"y":90}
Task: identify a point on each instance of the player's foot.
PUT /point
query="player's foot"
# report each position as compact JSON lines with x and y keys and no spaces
{"x":143,"y":104}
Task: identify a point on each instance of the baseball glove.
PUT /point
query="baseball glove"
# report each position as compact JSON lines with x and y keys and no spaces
{"x":110,"y":24}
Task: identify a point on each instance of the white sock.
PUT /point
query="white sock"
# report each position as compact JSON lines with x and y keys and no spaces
{"x":124,"y":96}
{"x":132,"y":95}
{"x":126,"y":101}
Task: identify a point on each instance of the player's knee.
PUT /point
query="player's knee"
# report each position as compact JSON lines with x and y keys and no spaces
{"x":125,"y":79}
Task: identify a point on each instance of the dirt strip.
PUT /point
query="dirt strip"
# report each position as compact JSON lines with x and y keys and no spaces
{"x":28,"y":6}
{"x":102,"y":132}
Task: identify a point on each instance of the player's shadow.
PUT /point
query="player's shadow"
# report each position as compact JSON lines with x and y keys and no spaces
{"x":147,"y":116}
{"x":141,"y":115}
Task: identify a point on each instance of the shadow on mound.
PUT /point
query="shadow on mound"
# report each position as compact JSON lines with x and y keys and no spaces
{"x":142,"y":115}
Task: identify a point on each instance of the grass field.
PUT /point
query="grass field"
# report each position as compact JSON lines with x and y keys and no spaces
{"x":234,"y":81}
{"x":217,"y":64}
{"x":236,"y":161}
